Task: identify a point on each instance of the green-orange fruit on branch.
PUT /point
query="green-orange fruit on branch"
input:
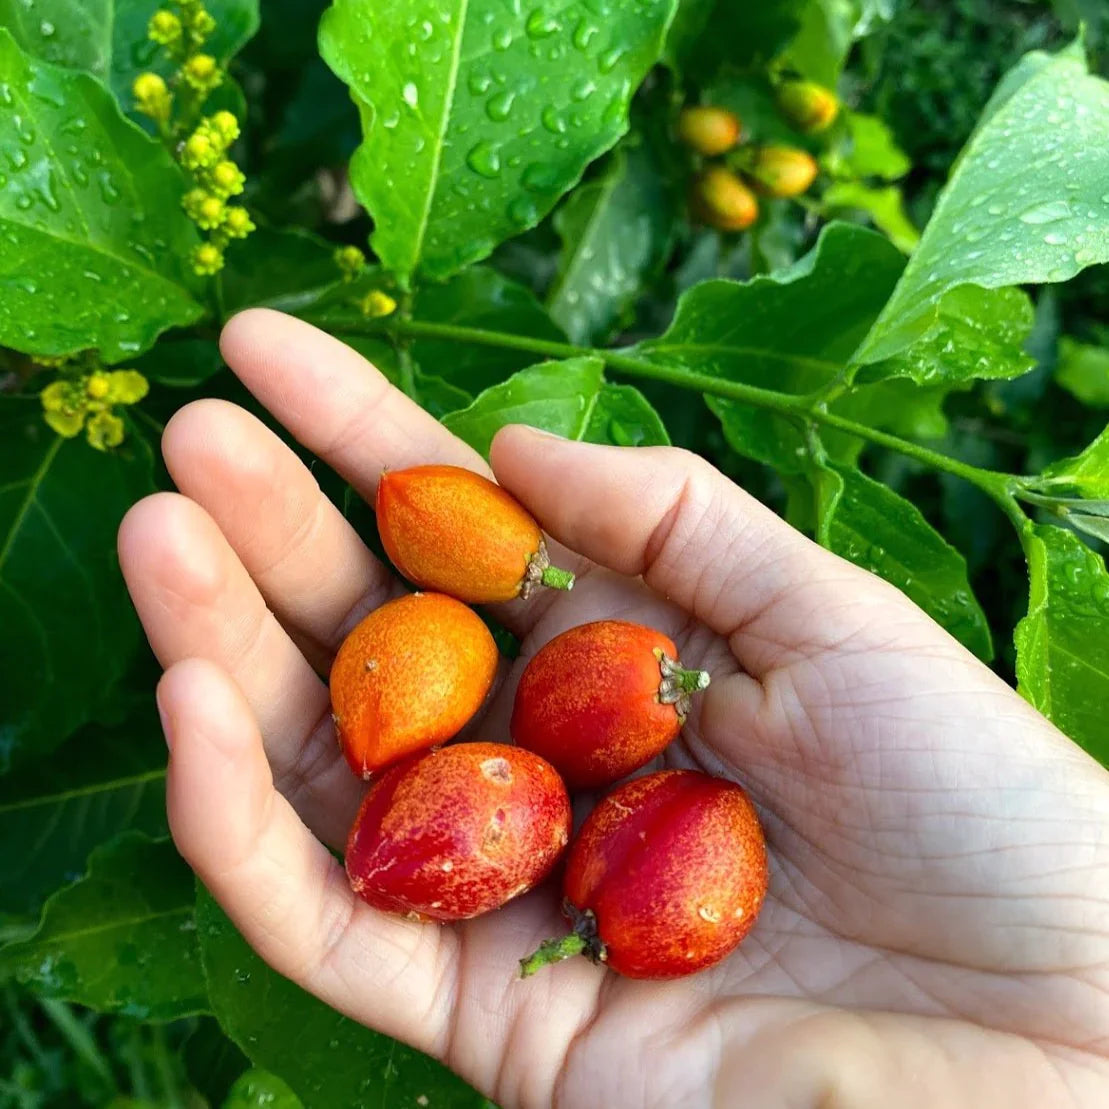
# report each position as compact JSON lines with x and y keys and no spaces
{"x":666,"y":876}
{"x":720,"y":199}
{"x":809,"y":107}
{"x":410,"y":675}
{"x":602,"y":700}
{"x":457,"y":832}
{"x":709,"y":131}
{"x":782,"y":171}
{"x":454,"y":531}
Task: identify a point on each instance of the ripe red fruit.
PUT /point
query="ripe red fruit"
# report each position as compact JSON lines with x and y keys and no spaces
{"x":720,"y":199}
{"x":602,"y":700}
{"x":665,"y":878}
{"x":782,"y":171}
{"x":709,"y":131}
{"x":409,"y":676}
{"x":457,"y":832}
{"x":455,"y":531}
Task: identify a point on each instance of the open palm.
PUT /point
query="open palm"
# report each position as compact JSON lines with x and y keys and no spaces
{"x":937,"y":930}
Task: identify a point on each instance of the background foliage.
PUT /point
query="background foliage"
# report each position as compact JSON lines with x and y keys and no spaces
{"x":874,"y":362}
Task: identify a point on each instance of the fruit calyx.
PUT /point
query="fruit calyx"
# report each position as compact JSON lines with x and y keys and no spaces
{"x":582,"y":940}
{"x":678,"y":684}
{"x":541,"y":572}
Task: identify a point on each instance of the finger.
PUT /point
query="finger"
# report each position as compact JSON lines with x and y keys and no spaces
{"x":342,"y":409}
{"x":196,"y":600}
{"x":281,"y":887}
{"x":308,"y":562}
{"x":335,"y":402}
{"x":697,"y":539}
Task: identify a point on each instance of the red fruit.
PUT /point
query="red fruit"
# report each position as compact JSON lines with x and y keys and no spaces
{"x":709,"y":131}
{"x":810,"y":107}
{"x":457,"y":832}
{"x":665,"y":878}
{"x":782,"y":171}
{"x":602,"y":700}
{"x":409,"y":676}
{"x":720,"y":199}
{"x":452,"y":530}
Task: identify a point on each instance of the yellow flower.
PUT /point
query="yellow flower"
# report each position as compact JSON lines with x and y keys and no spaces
{"x":152,"y":97}
{"x":198,"y":151}
{"x":225,"y":125}
{"x":104,"y":430}
{"x":66,"y":424}
{"x":207,"y":259}
{"x":64,"y":406}
{"x":126,"y":386}
{"x":98,"y":385}
{"x":164,"y":28}
{"x":209,"y":213}
{"x":201,"y":24}
{"x":350,"y":261}
{"x":377,"y":304}
{"x":226,"y":179}
{"x":237,"y":222}
{"x":202,"y":72}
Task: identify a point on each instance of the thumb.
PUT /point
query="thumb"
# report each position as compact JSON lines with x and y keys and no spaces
{"x":699,"y":540}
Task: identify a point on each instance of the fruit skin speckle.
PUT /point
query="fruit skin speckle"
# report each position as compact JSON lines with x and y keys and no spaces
{"x":672,"y":868}
{"x":450,"y":529}
{"x":410,"y":676}
{"x":457,"y":832}
{"x":589,"y":702}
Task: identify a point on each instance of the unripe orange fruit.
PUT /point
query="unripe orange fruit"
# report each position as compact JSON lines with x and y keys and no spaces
{"x":720,"y":199}
{"x":602,"y":700}
{"x":450,"y":834}
{"x":782,"y":171}
{"x":809,"y":107}
{"x":666,"y":876}
{"x":454,"y":531}
{"x":709,"y":131}
{"x":411,"y":675}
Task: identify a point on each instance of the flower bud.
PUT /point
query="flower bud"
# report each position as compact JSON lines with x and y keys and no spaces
{"x":152,"y":97}
{"x":164,"y":28}
{"x":226,"y":126}
{"x":377,"y":304}
{"x":98,"y":385}
{"x":782,"y":171}
{"x":720,"y":199}
{"x":207,"y":259}
{"x":809,"y":107}
{"x":226,"y":179}
{"x":237,"y":223}
{"x":350,"y":261}
{"x":709,"y":131}
{"x":198,"y":151}
{"x":202,"y":72}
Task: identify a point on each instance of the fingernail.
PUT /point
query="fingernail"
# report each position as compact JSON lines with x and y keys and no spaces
{"x":164,"y":717}
{"x":544,"y":434}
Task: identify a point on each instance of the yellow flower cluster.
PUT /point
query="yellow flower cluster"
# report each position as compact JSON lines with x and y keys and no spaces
{"x":201,"y":148}
{"x":350,"y":261}
{"x":88,"y":403}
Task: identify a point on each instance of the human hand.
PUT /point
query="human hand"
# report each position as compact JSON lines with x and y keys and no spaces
{"x":937,"y":928}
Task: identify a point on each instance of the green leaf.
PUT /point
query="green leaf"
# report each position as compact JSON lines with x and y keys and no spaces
{"x":107,"y":38}
{"x":477,"y":116}
{"x":882,"y":532}
{"x":259,"y":1089}
{"x":873,"y":150}
{"x":1083,"y":370}
{"x":1085,"y":476}
{"x":212,"y":1061}
{"x":181,"y":363}
{"x":884,"y":206}
{"x":479,"y":297}
{"x":327,"y":1059}
{"x":73,"y":33}
{"x":568,"y":398}
{"x":104,"y":782}
{"x":823,"y":40}
{"x":133,"y":53}
{"x":749,"y":331}
{"x":615,"y":233}
{"x":708,"y":36}
{"x":1063,"y":642}
{"x":121,"y":940}
{"x":67,"y":633}
{"x":1027,"y":201}
{"x":95,"y":241}
{"x":977,"y":334}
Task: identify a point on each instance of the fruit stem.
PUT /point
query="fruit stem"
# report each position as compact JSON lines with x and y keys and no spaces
{"x":678,"y":684}
{"x":557,"y":579}
{"x":552,"y":951}
{"x":583,"y":940}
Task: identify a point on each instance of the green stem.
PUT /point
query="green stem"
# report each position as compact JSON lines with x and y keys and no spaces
{"x":999,"y":487}
{"x":554,"y":578}
{"x":552,"y":951}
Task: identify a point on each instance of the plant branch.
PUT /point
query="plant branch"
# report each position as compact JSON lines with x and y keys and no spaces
{"x":999,"y":487}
